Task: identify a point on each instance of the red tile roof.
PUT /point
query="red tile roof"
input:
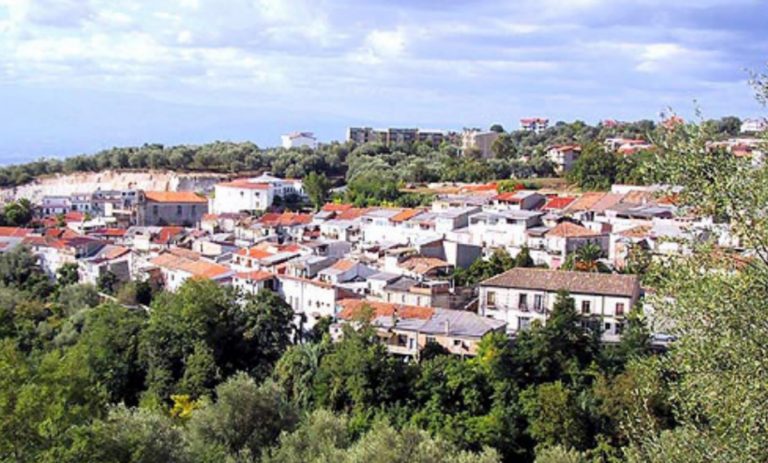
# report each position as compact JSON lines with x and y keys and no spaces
{"x":405,"y":214}
{"x":254,"y":253}
{"x":333,"y":207}
{"x":351,"y":308}
{"x":14,"y":232}
{"x":558,"y":202}
{"x":245,"y":184}
{"x":197,"y":268}
{"x":175,"y":197}
{"x":571,"y":230}
{"x":166,"y":234}
{"x":256,"y":275}
{"x":286,"y":219}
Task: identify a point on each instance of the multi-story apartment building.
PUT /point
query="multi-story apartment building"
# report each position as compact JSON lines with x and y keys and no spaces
{"x":523,"y":295}
{"x":563,"y":156}
{"x":477,"y":140}
{"x":534,"y":124}
{"x":393,"y":136}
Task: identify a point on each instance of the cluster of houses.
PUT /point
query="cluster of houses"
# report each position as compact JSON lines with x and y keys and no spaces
{"x":393,"y":264}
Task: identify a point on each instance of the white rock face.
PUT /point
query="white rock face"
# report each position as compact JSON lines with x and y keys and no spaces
{"x":87,"y":182}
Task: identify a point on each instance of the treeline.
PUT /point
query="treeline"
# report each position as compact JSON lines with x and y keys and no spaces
{"x":418,"y":162}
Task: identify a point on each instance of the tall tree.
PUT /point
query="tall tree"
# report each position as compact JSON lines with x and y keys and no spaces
{"x":317,"y":186}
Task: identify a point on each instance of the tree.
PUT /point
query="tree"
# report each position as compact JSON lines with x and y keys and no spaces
{"x":595,"y":169}
{"x":295,"y":372}
{"x":554,"y":416}
{"x":127,"y":435}
{"x":357,"y":374}
{"x":317,"y":187}
{"x":498,"y":128}
{"x":67,"y":274}
{"x":523,"y":258}
{"x":244,"y":420}
{"x":586,"y":258}
{"x":717,"y":367}
{"x":504,"y":147}
{"x":18,"y":213}
{"x":559,"y":351}
{"x":20,"y":269}
{"x":107,"y":282}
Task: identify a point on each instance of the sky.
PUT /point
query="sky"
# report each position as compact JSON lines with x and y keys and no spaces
{"x":77,"y":76}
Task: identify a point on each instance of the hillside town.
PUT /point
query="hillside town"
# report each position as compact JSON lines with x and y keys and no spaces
{"x":408,"y":266}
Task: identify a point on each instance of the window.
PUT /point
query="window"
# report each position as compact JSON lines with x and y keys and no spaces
{"x":194,"y":210}
{"x":523,"y":302}
{"x":619,"y":308}
{"x":457,"y":342}
{"x":155,"y":210}
{"x":490,"y":299}
{"x":586,"y":307}
{"x":431,"y":339}
{"x":619,"y":328}
{"x":178,"y":210}
{"x":523,"y":323}
{"x":607,"y":327}
{"x":411,"y":343}
{"x":538,"y":302}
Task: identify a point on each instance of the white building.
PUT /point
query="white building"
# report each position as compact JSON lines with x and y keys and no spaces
{"x":563,"y":156}
{"x":523,"y":295}
{"x":179,"y":265}
{"x":311,"y":299}
{"x":534,"y":124}
{"x":299,"y":140}
{"x":754,"y":125}
{"x":253,"y":194}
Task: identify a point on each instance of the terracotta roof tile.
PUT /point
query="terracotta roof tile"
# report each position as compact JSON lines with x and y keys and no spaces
{"x":175,"y":197}
{"x":585,"y":201}
{"x":558,"y":202}
{"x":405,"y":214}
{"x":14,"y":232}
{"x":256,"y":275}
{"x":574,"y":282}
{"x":571,"y":230}
{"x":350,"y":308}
{"x":244,"y":184}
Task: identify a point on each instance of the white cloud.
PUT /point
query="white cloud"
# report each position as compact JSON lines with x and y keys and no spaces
{"x":380,"y":45}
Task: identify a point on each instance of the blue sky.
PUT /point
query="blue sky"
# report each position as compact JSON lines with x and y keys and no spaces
{"x":81,"y":75}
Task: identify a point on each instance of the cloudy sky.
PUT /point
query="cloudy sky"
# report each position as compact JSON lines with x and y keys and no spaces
{"x":80,"y":75}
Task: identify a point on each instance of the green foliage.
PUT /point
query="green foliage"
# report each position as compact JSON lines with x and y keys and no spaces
{"x":67,"y":274}
{"x":244,"y":420}
{"x":20,"y":269}
{"x":357,"y":373}
{"x":325,"y":437}
{"x":554,"y":416}
{"x":317,"y":187}
{"x":586,"y":259}
{"x":17,"y":213}
{"x":595,"y":169}
{"x":499,"y":262}
{"x":127,"y":436}
{"x":107,"y":282}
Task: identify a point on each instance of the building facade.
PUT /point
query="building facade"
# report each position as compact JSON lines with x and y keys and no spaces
{"x":523,"y":295}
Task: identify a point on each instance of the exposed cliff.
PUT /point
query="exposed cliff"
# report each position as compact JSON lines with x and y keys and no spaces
{"x":87,"y":182}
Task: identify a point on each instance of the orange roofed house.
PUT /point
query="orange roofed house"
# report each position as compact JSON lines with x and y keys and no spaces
{"x":185,"y":208}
